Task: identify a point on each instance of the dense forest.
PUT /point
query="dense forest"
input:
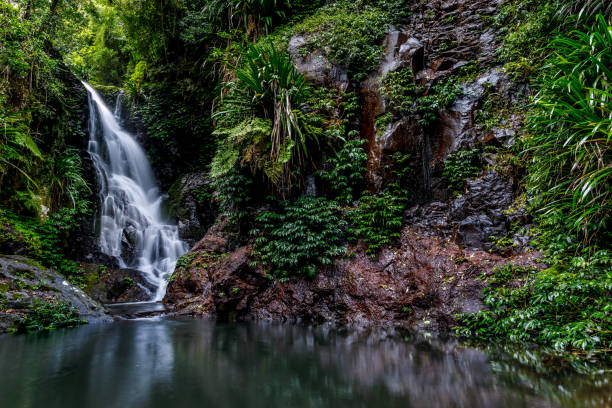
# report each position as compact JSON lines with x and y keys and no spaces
{"x":315,"y":141}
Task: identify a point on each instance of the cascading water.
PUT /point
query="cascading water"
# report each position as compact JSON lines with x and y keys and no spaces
{"x":133,"y":229}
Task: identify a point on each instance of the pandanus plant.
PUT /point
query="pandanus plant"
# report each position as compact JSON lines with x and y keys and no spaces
{"x":571,"y":131}
{"x":268,"y":87}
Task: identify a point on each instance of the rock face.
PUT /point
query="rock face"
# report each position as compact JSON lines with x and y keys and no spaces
{"x":23,"y":283}
{"x":431,"y":274}
{"x":418,"y":286}
{"x":190,"y":200}
{"x":106,"y":285}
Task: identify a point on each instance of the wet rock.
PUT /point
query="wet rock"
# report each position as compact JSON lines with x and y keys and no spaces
{"x":108,"y":285}
{"x":23,"y":282}
{"x":480,"y":211}
{"x":317,"y":66}
{"x":191,"y":202}
{"x":418,"y":286}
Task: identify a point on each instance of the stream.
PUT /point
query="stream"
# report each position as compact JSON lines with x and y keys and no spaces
{"x":159,"y":362}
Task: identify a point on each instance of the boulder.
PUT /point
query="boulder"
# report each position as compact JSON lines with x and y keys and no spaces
{"x":23,"y":283}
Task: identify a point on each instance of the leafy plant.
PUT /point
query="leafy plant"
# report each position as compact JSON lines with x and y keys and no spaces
{"x":349,"y":33}
{"x":441,"y":95}
{"x":300,"y":237}
{"x":461,"y":165}
{"x":398,"y":88}
{"x":346,"y":171}
{"x":233,"y":194}
{"x":67,"y":179}
{"x":268,"y":90}
{"x":49,"y":316}
{"x":565,"y":307}
{"x":569,"y":146}
{"x":378,"y":217}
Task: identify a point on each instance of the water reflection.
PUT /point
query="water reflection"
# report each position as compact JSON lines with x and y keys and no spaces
{"x":162,"y":363}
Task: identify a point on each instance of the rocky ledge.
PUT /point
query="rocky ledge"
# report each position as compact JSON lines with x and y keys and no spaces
{"x":23,"y":284}
{"x":419,"y":285}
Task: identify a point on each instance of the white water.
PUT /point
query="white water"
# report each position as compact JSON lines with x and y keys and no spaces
{"x":131,"y":213}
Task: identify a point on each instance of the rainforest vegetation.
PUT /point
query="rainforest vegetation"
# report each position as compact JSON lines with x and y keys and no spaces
{"x":215,"y":85}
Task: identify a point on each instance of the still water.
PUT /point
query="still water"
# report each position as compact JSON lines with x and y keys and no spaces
{"x":167,"y":363}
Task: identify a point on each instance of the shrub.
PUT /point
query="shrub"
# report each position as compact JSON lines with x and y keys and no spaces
{"x":351,"y":35}
{"x":49,"y":316}
{"x":398,"y":88}
{"x":233,"y":194}
{"x":569,"y":146}
{"x":565,"y":307}
{"x":346,"y":172}
{"x":268,"y":90}
{"x":377,"y":219}
{"x":460,"y":166}
{"x":303,"y":235}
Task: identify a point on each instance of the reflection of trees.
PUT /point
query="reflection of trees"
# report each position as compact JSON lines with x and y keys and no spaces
{"x":198,"y":363}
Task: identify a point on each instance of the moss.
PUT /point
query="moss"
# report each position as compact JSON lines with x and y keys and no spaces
{"x":350,"y":34}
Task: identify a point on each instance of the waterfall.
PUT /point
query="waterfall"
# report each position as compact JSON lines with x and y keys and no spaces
{"x":133,"y":228}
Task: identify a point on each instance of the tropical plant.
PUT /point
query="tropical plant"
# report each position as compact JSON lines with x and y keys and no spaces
{"x":300,"y":237}
{"x":67,"y":179}
{"x":570,"y":142}
{"x":49,"y":316}
{"x":565,"y":307}
{"x":584,"y":10}
{"x":377,"y":220}
{"x":267,"y":92}
{"x":17,"y":148}
{"x":378,"y":217}
{"x":460,"y":166}
{"x":345,"y":172}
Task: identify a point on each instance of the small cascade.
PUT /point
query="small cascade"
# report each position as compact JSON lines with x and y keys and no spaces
{"x":133,"y":228}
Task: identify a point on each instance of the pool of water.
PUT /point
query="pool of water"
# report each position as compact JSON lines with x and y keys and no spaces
{"x":168,"y":363}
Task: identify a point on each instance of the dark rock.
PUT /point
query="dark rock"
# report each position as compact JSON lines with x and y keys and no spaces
{"x":317,"y":66}
{"x":191,"y":202}
{"x":23,"y":282}
{"x":418,"y":286}
{"x":107,"y":285}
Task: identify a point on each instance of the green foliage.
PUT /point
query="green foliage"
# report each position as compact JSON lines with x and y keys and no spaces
{"x":495,"y":109}
{"x":247,"y":143}
{"x":267,"y":94}
{"x":523,"y":48}
{"x":382,"y":122}
{"x":346,"y":172}
{"x":44,"y":241}
{"x":67,"y":181}
{"x":329,"y":112}
{"x":441,"y":95}
{"x":233,"y":191}
{"x":569,"y":146}
{"x":350,"y":33}
{"x":460,"y":166}
{"x":398,"y":88}
{"x":103,"y":54}
{"x":303,"y":235}
{"x":378,"y":217}
{"x":18,"y":151}
{"x":565,"y":307}
{"x":49,"y":316}
{"x":175,"y":122}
